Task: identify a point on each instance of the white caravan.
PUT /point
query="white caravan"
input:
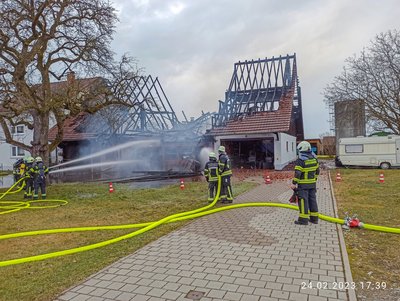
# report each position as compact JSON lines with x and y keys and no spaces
{"x":375,"y":151}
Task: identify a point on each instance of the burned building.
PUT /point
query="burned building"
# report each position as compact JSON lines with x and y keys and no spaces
{"x":158,"y":141}
{"x":260,"y":119}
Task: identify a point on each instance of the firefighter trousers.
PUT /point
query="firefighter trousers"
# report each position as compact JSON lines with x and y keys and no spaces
{"x":16,"y":178}
{"x":308,"y":206}
{"x":28,"y":188}
{"x":40,"y":182}
{"x":226,"y":189}
{"x":212,"y":190}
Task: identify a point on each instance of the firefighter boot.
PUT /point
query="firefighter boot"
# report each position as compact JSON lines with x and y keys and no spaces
{"x":301,"y":221}
{"x":314,"y":217}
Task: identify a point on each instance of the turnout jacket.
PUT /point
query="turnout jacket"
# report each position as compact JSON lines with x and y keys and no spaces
{"x":211,"y":171}
{"x":38,"y":171}
{"x":224,"y":165}
{"x":306,"y":171}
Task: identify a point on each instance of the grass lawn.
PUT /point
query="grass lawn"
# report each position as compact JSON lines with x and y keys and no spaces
{"x":89,"y":205}
{"x":374,"y":256}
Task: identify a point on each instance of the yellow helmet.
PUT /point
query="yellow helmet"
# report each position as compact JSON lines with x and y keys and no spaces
{"x":212,"y":155}
{"x":221,"y":149}
{"x":30,"y":160}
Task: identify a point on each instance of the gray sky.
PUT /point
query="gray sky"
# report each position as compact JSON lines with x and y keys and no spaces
{"x":191,"y":45}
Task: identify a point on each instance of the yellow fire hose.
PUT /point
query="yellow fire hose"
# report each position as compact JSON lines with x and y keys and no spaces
{"x":10,"y":190}
{"x":150,"y":225}
{"x":13,"y":206}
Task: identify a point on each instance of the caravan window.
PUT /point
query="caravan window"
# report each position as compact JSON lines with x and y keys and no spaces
{"x":354,"y":148}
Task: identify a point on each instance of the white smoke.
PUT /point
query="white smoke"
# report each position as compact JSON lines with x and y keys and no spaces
{"x":203,"y":155}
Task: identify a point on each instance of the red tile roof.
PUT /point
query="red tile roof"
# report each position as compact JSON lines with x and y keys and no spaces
{"x":72,"y":131}
{"x":260,"y":122}
{"x":82,"y":84}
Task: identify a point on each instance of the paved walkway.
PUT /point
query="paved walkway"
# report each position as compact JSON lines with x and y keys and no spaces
{"x":243,"y":254}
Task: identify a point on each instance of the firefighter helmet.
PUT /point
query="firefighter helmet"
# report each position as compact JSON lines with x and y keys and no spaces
{"x":221,"y":149}
{"x":18,"y":163}
{"x":30,"y":160}
{"x":212,"y":155}
{"x":304,"y":146}
{"x":38,"y":159}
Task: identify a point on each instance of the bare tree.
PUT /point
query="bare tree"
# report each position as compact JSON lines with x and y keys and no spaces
{"x":373,"y":77}
{"x":42,"y":41}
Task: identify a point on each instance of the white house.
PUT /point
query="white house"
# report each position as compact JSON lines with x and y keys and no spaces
{"x":266,"y":138}
{"x":10,"y":153}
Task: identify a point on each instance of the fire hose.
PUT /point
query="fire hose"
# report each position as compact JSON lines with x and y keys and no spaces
{"x":151,"y":225}
{"x":13,"y":206}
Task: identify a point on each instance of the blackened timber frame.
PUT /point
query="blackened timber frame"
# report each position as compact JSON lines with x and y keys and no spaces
{"x":258,"y":86}
{"x":151,"y":110}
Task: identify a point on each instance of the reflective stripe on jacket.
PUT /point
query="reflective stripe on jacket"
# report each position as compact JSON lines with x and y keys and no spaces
{"x":211,"y":170}
{"x":306,"y":170}
{"x":224,"y":165}
{"x":38,"y":170}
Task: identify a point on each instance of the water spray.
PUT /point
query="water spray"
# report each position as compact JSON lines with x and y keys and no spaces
{"x":203,"y":155}
{"x":93,"y":165}
{"x":110,"y":150}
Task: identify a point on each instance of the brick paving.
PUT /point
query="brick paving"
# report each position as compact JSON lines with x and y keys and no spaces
{"x":242,"y":254}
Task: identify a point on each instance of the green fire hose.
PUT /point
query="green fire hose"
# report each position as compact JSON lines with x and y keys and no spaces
{"x":144,"y":227}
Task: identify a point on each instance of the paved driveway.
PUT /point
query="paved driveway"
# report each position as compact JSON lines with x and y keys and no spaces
{"x":241,"y":254}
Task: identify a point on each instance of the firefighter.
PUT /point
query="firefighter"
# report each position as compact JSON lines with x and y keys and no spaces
{"x":22,"y":167}
{"x":22,"y":172}
{"x":39,"y":179}
{"x":211,"y":174}
{"x":305,"y":181}
{"x":17,"y":169}
{"x":225,"y":171}
{"x":29,"y":174}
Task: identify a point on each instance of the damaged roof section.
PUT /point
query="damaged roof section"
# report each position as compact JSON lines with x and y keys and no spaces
{"x":263,"y":97}
{"x":148,"y":112}
{"x":73,"y":129}
{"x":259,"y":122}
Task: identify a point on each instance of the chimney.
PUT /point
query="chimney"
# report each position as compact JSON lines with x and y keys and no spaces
{"x":70,"y":78}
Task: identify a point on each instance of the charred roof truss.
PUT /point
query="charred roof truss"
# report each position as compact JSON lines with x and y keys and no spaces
{"x":258,"y":86}
{"x":150,"y":109}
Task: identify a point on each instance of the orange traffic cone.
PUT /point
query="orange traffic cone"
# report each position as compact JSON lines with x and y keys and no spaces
{"x":338,"y":177}
{"x":267,"y":179}
{"x":381,"y":178}
{"x":182,"y":186}
{"x":111,"y":188}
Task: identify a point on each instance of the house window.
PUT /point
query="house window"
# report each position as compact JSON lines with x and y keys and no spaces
{"x":17,"y":151}
{"x":287,"y":146}
{"x":354,"y":148}
{"x":292,"y":146}
{"x":19,"y":129}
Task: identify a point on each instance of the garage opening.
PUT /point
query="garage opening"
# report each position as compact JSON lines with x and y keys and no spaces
{"x":252,"y":153}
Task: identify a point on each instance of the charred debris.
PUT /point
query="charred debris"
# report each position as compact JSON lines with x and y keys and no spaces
{"x":165,"y":148}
